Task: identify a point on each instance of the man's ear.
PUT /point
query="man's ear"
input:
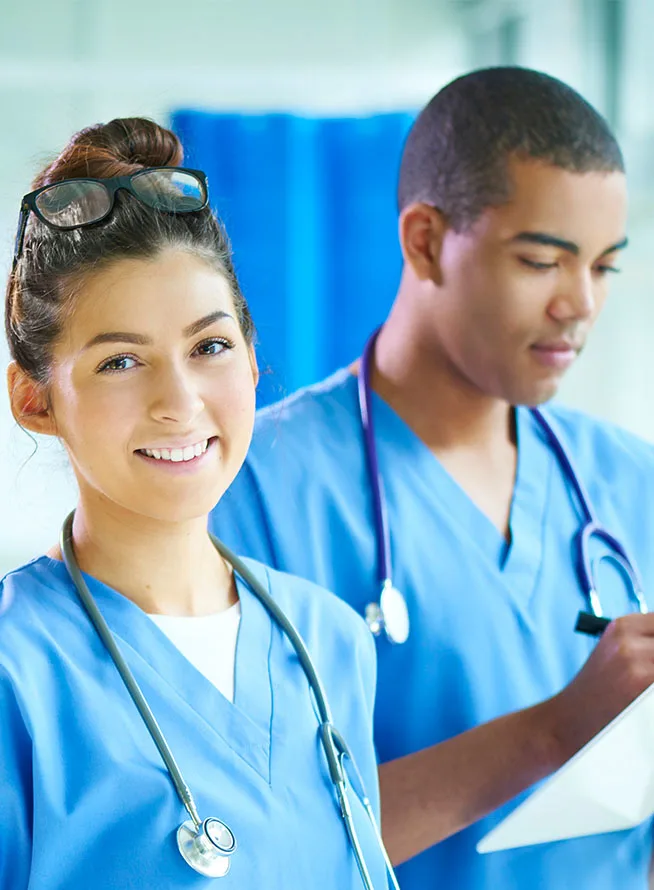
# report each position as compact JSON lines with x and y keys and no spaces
{"x":421,"y":232}
{"x":29,"y":403}
{"x":253,"y":364}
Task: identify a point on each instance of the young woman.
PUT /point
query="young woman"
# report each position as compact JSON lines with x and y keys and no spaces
{"x":144,"y":684}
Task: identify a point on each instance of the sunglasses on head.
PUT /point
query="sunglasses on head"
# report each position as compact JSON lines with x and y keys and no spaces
{"x":74,"y":203}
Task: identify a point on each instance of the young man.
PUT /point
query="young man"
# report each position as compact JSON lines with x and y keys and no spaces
{"x":512,"y":219}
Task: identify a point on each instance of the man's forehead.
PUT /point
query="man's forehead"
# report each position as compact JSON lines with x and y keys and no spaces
{"x":549,"y":201}
{"x":530,"y":178}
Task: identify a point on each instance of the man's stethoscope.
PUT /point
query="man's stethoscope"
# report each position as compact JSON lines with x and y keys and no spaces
{"x":391,"y":614}
{"x":208,"y":844}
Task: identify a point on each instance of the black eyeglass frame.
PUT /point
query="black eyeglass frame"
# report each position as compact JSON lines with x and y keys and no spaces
{"x":112,"y":184}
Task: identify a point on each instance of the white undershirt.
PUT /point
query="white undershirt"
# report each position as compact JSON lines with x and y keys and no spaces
{"x":208,"y":642}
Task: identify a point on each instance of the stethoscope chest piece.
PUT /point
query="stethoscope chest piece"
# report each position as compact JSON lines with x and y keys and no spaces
{"x":207,"y":849}
{"x":390,"y":614}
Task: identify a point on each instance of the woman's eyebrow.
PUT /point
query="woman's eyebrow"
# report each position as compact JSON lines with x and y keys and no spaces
{"x":203,"y":323}
{"x":141,"y":340}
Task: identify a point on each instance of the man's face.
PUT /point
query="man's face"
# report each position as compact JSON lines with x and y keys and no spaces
{"x":521,"y":288}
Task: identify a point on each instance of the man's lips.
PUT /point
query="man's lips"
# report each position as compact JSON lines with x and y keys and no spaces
{"x":558,"y":354}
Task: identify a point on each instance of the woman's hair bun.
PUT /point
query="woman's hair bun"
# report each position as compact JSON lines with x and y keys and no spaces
{"x":118,"y":148}
{"x":45,"y":282}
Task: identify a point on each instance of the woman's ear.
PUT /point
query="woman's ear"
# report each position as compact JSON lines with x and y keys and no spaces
{"x":29,"y":403}
{"x":253,"y":364}
{"x":421,"y":232}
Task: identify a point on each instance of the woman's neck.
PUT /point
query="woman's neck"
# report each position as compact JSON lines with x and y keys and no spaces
{"x":169,"y":568}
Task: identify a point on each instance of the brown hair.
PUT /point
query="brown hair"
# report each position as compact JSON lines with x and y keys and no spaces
{"x":42,"y":285}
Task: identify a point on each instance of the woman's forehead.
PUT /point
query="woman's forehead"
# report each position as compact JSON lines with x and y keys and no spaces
{"x":165,"y":293}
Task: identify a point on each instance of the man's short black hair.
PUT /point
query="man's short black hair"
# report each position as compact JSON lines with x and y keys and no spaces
{"x":457,"y":152}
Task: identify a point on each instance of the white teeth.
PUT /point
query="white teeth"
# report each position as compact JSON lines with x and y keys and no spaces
{"x":177,"y":455}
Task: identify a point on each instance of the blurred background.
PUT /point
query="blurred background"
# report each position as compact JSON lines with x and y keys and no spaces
{"x":297,"y":110}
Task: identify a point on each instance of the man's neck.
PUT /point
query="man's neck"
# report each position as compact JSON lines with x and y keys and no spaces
{"x":471,"y":434}
{"x":446,"y":411}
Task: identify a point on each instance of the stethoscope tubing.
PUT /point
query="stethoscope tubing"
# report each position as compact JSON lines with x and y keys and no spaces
{"x":379,"y":507}
{"x":590,"y":528}
{"x":334,"y":745}
{"x":100,"y":625}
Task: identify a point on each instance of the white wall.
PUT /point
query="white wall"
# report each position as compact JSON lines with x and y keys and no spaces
{"x":67,"y":63}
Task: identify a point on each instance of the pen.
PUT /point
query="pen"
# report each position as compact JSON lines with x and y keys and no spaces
{"x":591,"y":624}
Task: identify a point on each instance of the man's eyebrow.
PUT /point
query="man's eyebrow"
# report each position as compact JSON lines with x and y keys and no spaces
{"x":141,"y":340}
{"x":546,"y":240}
{"x":543,"y":238}
{"x":620,"y":245}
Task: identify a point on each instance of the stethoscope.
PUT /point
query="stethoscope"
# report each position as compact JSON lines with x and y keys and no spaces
{"x":207,"y":845}
{"x":391,"y":614}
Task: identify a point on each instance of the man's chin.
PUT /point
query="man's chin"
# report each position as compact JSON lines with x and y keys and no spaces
{"x":538,"y":394}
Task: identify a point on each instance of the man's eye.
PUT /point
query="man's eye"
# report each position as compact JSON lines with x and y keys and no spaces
{"x":533,"y":264}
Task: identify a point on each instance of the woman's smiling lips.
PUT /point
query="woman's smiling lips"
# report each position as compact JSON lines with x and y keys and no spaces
{"x":177,"y":458}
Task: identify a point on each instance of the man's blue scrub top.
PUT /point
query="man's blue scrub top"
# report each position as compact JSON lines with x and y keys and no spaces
{"x":491,"y":624}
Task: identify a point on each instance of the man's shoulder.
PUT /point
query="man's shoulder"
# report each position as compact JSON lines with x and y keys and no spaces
{"x":330,"y":396}
{"x":306,"y":451}
{"x":601,"y":443}
{"x":315,"y":418}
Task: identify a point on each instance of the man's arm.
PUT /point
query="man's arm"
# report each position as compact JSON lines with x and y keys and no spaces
{"x":432,"y":794}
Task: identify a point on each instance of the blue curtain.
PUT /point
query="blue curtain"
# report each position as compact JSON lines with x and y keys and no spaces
{"x":309,"y":205}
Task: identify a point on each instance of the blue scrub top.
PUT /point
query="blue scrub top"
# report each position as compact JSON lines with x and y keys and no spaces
{"x":492,"y":625}
{"x":85,"y":799}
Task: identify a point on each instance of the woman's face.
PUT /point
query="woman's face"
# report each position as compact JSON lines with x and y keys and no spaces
{"x":153,"y":387}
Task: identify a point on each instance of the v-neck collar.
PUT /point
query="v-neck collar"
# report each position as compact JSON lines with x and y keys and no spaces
{"x":529,"y":504}
{"x":401,"y":450}
{"x":244,"y":724}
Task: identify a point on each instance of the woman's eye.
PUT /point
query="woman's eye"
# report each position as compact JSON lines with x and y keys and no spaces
{"x":533,"y":264}
{"x":118,"y":363}
{"x":603,"y":270}
{"x":214,"y":346}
